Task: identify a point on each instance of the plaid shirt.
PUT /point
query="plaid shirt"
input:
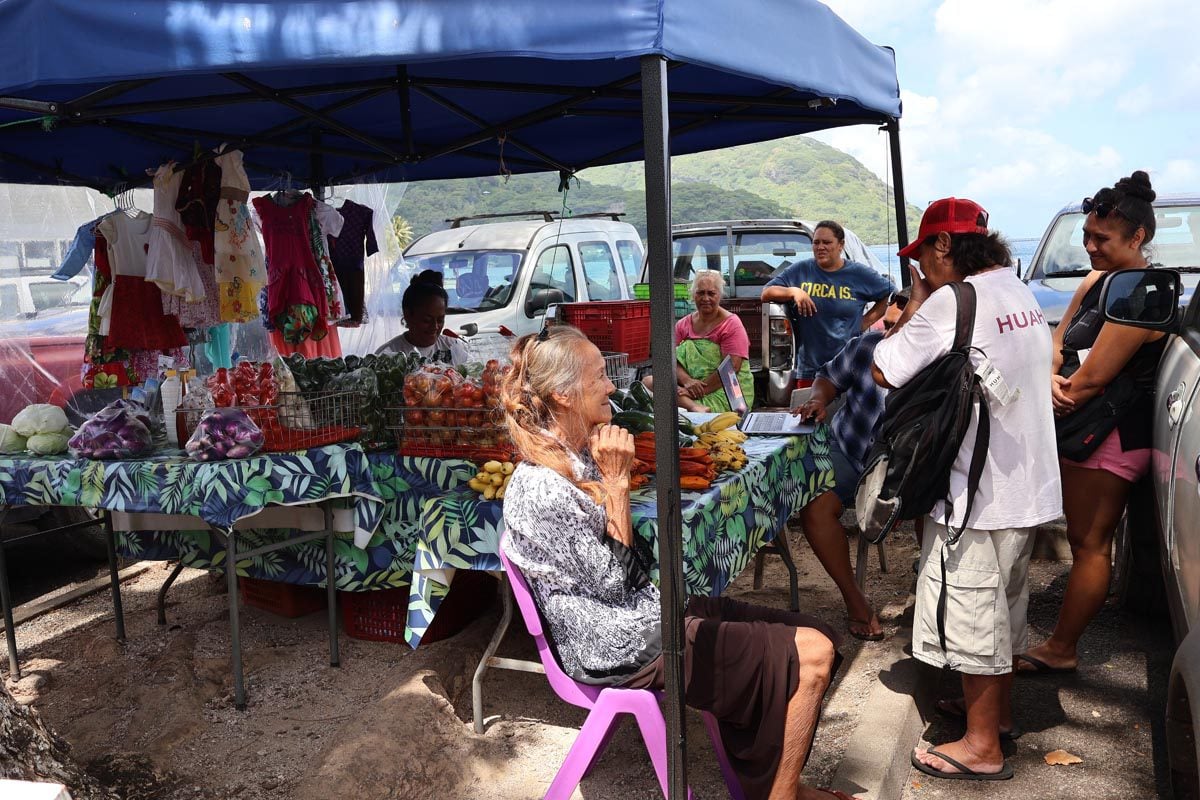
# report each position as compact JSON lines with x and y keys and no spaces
{"x":855,"y":423}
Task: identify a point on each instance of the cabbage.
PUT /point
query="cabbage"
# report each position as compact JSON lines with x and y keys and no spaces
{"x":39,"y":418}
{"x":49,"y":444}
{"x":11,"y":441}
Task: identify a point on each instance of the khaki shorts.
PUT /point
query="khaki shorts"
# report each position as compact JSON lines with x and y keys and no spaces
{"x":987,"y":598}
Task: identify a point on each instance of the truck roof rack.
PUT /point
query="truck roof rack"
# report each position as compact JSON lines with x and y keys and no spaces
{"x":547,"y":216}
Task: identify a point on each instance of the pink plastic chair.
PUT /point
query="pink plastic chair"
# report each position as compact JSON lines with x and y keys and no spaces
{"x":605,"y":704}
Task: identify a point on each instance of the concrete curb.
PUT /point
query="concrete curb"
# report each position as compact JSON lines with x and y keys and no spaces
{"x":876,"y":762}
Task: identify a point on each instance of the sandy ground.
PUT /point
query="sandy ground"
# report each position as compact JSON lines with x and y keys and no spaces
{"x":155,"y":715}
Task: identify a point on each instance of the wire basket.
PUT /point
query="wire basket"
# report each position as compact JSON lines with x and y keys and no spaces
{"x":298,"y":421}
{"x":616,"y":367}
{"x":472,"y":433}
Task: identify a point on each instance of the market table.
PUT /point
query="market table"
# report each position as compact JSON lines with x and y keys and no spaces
{"x":172,"y":492}
{"x":723,"y":527}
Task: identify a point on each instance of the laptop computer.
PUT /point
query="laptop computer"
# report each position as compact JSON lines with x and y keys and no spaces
{"x":758,"y":423}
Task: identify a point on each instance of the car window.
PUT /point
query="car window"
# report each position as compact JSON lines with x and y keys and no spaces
{"x":554,"y":270}
{"x":757,"y":255}
{"x":1176,"y":242}
{"x":474,"y":280}
{"x":47,"y":295}
{"x":600,"y":271}
{"x":630,"y":253}
{"x":10,"y":302}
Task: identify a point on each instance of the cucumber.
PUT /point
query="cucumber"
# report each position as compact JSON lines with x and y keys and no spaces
{"x":634,"y":421}
{"x":685,"y":426}
{"x":622,"y":399}
{"x":642,"y":397}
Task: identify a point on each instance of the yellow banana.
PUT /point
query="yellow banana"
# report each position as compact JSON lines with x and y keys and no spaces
{"x":721,"y":421}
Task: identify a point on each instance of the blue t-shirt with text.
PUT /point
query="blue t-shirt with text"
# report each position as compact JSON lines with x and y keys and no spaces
{"x":841,"y":297}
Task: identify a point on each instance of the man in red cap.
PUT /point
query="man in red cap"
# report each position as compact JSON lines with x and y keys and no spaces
{"x":986,"y":593}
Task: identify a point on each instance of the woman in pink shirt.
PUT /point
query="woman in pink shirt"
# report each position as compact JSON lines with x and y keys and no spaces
{"x":702,"y":341}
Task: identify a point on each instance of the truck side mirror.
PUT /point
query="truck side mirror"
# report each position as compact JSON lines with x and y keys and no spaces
{"x":541,"y":299}
{"x":1143,"y":298}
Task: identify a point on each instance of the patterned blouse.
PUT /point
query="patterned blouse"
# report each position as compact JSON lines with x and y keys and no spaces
{"x":595,"y":594}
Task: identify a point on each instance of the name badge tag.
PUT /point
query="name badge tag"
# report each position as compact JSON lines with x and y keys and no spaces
{"x":994,"y":384}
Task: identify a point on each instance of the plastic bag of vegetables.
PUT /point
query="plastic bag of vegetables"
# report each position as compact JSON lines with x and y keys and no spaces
{"x":224,"y":433}
{"x":119,"y":430}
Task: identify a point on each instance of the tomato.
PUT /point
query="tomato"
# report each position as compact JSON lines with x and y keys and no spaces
{"x":437,"y":417}
{"x":415,"y":417}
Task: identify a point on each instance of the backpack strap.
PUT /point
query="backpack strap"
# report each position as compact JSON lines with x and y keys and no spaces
{"x":983,"y":435}
{"x":964,"y":326}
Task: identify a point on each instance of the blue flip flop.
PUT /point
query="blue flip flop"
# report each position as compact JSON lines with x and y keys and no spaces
{"x":964,"y":773}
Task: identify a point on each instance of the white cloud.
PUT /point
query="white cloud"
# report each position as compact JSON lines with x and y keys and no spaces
{"x":1025,"y":104}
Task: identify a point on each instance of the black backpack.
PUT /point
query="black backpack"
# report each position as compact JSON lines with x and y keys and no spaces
{"x":908,"y":468}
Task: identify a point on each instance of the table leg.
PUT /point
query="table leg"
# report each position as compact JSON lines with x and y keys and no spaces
{"x":484,"y":663}
{"x":239,"y":689}
{"x":10,"y":629}
{"x":110,"y":539}
{"x":331,"y":588}
{"x":860,"y":563}
{"x":162,"y":593}
{"x":784,"y":548}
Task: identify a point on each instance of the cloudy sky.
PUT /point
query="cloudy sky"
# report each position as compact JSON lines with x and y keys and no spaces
{"x":1025,"y":105}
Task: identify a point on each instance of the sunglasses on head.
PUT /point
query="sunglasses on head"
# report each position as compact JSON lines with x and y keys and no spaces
{"x":899,"y":301}
{"x":1102,"y":208}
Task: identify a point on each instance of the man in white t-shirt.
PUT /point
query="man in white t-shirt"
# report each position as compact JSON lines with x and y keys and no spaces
{"x":986,"y":593}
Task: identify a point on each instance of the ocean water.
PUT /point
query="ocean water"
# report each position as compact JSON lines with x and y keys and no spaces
{"x":1022,"y":249}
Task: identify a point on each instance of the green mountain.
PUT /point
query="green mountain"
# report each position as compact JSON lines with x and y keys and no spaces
{"x":795,"y":177}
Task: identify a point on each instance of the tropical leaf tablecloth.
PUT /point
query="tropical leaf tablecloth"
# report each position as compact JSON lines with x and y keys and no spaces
{"x":388,"y":493}
{"x":723,"y":527}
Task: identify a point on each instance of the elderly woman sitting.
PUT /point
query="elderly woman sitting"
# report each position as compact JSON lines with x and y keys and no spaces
{"x":761,"y":672}
{"x":702,"y":340}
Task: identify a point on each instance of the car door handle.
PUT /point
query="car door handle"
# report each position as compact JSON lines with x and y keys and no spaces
{"x":1175,"y":406}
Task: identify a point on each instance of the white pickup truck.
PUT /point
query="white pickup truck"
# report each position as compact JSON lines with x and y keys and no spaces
{"x":1161,"y":541}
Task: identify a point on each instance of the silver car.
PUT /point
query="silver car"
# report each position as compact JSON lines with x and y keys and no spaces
{"x":1160,"y":547}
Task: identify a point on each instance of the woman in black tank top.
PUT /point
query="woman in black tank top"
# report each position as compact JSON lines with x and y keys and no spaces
{"x":1090,"y":354}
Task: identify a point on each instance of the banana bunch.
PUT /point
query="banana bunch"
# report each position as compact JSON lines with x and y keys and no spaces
{"x":492,"y":479}
{"x":723,"y":441}
{"x":721,"y":422}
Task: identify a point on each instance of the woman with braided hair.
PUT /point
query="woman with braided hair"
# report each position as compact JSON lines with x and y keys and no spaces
{"x":1089,"y":355}
{"x":761,"y":672}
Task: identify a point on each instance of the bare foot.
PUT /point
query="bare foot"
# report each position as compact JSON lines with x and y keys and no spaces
{"x":963,"y":754}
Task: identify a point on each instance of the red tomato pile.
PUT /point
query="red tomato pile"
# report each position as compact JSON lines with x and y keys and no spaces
{"x":440,"y":397}
{"x":246,"y":385}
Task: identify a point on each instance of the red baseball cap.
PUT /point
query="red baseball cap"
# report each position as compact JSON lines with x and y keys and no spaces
{"x":949,"y":215}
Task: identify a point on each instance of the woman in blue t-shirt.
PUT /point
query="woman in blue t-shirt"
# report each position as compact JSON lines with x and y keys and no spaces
{"x":830,"y":294}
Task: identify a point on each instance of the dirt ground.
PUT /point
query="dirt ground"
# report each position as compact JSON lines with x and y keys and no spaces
{"x":155,"y":715}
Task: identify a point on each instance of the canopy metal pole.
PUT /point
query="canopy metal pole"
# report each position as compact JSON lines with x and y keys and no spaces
{"x":893,"y":129}
{"x":656,"y":133}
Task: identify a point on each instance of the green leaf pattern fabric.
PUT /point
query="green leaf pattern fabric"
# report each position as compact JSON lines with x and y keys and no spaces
{"x":723,"y":527}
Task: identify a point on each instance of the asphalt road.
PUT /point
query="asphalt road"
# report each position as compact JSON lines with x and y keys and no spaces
{"x":1109,"y":713}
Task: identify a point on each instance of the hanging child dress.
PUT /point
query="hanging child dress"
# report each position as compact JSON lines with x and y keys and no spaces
{"x":296,"y":300}
{"x":238,"y":256}
{"x":132,"y":305}
{"x":170,"y":264}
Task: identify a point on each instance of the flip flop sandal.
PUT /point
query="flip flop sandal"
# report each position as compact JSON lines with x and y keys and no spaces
{"x":964,"y":773}
{"x":1040,"y":667}
{"x":950,"y":708}
{"x":866,"y":637}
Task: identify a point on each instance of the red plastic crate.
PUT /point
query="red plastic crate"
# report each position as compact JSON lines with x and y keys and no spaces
{"x":284,"y":599}
{"x":614,"y":326}
{"x":381,"y":615}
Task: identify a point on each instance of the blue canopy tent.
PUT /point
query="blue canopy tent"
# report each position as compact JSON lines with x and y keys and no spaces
{"x":92,"y":93}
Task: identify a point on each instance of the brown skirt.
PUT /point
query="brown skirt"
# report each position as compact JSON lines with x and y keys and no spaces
{"x":740,"y":665}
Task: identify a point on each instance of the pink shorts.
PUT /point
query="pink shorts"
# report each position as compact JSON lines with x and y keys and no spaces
{"x":1127,"y":464}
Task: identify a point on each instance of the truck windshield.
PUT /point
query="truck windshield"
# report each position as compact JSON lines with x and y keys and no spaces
{"x":1176,"y":243}
{"x":756,"y":256}
{"x":475,"y":280}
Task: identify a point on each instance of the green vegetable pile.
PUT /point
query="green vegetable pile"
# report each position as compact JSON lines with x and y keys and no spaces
{"x":378,"y":377}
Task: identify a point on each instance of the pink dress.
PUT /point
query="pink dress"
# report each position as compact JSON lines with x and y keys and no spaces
{"x":296,"y":300}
